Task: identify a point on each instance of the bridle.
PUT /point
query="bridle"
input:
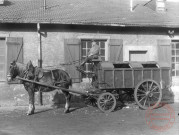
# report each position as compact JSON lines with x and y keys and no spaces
{"x":13,"y":69}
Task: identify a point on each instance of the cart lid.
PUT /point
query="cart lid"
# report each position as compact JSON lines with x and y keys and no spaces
{"x":121,"y":65}
{"x":164,"y":64}
{"x":107,"y":65}
{"x":136,"y":65}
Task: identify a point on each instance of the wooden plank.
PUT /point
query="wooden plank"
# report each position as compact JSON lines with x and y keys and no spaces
{"x":156,"y":75}
{"x":166,"y":77}
{"x":128,"y":79}
{"x":118,"y":78}
{"x":108,"y":78}
{"x":147,"y":74}
{"x":138,"y":76}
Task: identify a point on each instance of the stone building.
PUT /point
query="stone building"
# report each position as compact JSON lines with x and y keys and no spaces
{"x":59,"y":31}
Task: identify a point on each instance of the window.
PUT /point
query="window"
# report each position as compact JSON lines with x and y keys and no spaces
{"x":138,"y":55}
{"x":77,"y":48}
{"x":175,"y":58}
{"x":85,"y":47}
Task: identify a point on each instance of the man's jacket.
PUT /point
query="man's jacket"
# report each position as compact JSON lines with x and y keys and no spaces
{"x":94,"y":50}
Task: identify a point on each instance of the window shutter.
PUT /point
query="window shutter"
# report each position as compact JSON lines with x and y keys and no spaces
{"x":164,"y":50}
{"x":2,"y":59}
{"x":14,"y":48}
{"x":116,"y":50}
{"x":72,"y":53}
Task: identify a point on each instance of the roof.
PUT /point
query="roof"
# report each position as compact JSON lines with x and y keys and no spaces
{"x":88,"y":12}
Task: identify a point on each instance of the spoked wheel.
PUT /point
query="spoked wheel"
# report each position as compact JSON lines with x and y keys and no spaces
{"x":148,"y":94}
{"x":90,"y":101}
{"x":106,"y":102}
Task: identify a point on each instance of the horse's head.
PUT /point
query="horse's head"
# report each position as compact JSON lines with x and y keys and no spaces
{"x":13,"y":71}
{"x":30,"y":70}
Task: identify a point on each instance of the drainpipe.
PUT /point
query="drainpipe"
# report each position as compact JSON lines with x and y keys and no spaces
{"x":44,"y":7}
{"x":131,"y":5}
{"x":39,"y":59}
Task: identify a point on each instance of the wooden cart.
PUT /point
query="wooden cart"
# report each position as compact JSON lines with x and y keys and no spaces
{"x":145,"y":79}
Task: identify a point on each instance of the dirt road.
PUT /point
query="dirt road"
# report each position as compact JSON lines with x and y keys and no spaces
{"x":82,"y":120}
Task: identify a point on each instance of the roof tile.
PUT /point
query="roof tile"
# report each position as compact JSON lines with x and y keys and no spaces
{"x":93,"y":12}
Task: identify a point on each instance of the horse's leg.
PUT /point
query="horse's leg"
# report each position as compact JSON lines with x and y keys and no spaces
{"x":67,"y":97}
{"x":31,"y":108}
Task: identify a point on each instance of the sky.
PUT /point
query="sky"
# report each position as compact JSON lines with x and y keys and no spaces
{"x":173,"y":0}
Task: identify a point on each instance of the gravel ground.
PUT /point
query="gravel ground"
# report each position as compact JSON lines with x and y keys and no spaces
{"x":82,"y":120}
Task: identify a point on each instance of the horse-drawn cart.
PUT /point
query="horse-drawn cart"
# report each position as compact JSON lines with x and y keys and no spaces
{"x":146,"y":80}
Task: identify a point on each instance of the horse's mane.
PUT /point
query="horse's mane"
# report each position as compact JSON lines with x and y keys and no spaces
{"x":21,"y":65}
{"x":21,"y":68}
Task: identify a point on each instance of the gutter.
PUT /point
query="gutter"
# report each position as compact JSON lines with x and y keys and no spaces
{"x":49,"y":21}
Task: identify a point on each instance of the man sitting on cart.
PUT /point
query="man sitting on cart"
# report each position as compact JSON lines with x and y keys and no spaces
{"x":92,"y":54}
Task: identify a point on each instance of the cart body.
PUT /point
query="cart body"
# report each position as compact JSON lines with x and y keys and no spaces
{"x":129,"y":74}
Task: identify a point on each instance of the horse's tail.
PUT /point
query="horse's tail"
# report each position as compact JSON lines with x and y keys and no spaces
{"x":70,"y":82}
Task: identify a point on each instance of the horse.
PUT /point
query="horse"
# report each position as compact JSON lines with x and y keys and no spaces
{"x":57,"y":77}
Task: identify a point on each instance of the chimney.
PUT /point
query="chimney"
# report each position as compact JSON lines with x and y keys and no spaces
{"x":1,"y":2}
{"x":160,"y":5}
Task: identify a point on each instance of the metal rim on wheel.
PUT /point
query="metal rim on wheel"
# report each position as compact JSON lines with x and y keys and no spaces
{"x":148,"y":94}
{"x":106,"y":102}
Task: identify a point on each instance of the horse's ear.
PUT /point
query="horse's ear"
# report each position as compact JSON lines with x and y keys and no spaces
{"x":30,"y":62}
{"x":29,"y":65}
{"x":13,"y":62}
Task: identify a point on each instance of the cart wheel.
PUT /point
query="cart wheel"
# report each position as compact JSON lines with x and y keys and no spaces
{"x":90,"y":101}
{"x":106,"y":102}
{"x":148,"y":94}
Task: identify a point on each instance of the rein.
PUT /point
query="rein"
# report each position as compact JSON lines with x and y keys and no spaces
{"x":71,"y":63}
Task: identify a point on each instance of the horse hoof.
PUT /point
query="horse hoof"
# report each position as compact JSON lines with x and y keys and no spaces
{"x":30,"y":113}
{"x":66,"y":111}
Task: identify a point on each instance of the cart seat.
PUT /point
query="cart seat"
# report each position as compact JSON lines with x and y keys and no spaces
{"x":83,"y":72}
{"x":97,"y":59}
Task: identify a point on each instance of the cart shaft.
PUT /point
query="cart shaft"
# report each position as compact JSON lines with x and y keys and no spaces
{"x":54,"y":87}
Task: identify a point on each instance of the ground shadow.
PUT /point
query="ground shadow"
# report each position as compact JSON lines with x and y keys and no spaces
{"x":76,"y":102}
{"x":8,"y":3}
{"x":59,"y":98}
{"x":4,"y":133}
{"x":167,"y":96}
{"x":41,"y":111}
{"x":119,"y":106}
